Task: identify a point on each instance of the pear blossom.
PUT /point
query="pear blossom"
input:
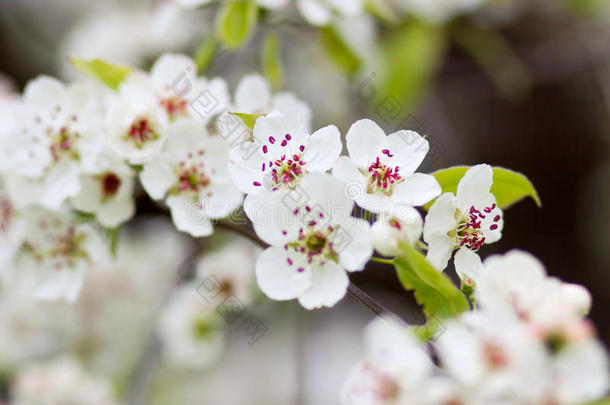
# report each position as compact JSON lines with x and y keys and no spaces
{"x":60,"y":382}
{"x":232,"y":268}
{"x":53,"y":256}
{"x":395,"y":365}
{"x":57,"y":136}
{"x":403,"y":225}
{"x":323,"y":12}
{"x":10,"y":226}
{"x":137,"y":123}
{"x":464,"y":221}
{"x":282,"y":153}
{"x":109,"y":193}
{"x":312,"y":244}
{"x":380,"y":169}
{"x":191,"y":330}
{"x":190,"y":173}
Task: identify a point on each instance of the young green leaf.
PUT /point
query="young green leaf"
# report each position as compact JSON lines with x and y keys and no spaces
{"x":339,"y":51}
{"x":411,"y":55}
{"x":248,"y":119}
{"x":235,"y":22}
{"x":271,"y":63}
{"x":508,"y":187}
{"x":433,"y":290}
{"x":204,"y":53}
{"x":108,"y":74}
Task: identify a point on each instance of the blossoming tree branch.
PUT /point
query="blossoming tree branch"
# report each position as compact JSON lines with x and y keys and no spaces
{"x":320,"y":204}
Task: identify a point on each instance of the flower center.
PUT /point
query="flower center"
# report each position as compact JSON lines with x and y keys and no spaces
{"x":141,"y":132}
{"x":315,"y":242}
{"x":470,"y":232}
{"x":191,"y":175}
{"x":284,"y":171}
{"x":174,"y":106}
{"x":382,"y":177}
{"x":6,"y":214}
{"x":62,"y":143}
{"x":64,"y":250}
{"x":204,"y":328}
{"x":110,"y":185}
{"x":494,"y":356}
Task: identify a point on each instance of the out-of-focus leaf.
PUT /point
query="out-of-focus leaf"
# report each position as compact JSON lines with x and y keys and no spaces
{"x":235,"y":22}
{"x":270,"y":60}
{"x":204,"y":53}
{"x":110,"y":75}
{"x":495,"y":56}
{"x":338,"y":50}
{"x":248,"y":119}
{"x":433,"y":290}
{"x":411,"y":55}
{"x":381,"y":10}
{"x":586,"y":7}
{"x":508,"y":186}
{"x":113,"y":239}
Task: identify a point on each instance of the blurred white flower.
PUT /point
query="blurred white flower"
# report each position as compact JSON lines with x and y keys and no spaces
{"x":10,"y":232}
{"x":403,"y":225}
{"x":57,"y":137}
{"x":109,"y":193}
{"x":395,"y":365}
{"x":232,"y":267}
{"x":281,"y":154}
{"x":53,"y":255}
{"x":192,"y":171}
{"x":323,"y":12}
{"x":191,"y":330}
{"x":381,"y":169}
{"x":464,"y":221}
{"x":312,"y":245}
{"x":253,"y":96}
{"x":60,"y":382}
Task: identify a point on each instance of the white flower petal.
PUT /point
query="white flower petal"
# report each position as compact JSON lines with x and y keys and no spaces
{"x":245,"y":168}
{"x":353,"y":243}
{"x":188,"y":217}
{"x":272,"y":215}
{"x":408,"y":149}
{"x":157,"y":177}
{"x":439,"y":250}
{"x":467,"y":264}
{"x":314,"y":11}
{"x":324,"y":148}
{"x":417,"y":189}
{"x":279,"y":280}
{"x":363,"y":140}
{"x":473,"y":188}
{"x":252,"y":95}
{"x":116,"y":212}
{"x":62,"y":182}
{"x":45,"y":93}
{"x":328,"y":286}
{"x":175,"y":73}
{"x":441,"y":216}
{"x":225,"y":199}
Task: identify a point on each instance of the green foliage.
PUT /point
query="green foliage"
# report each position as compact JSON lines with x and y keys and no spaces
{"x":110,"y":75}
{"x":508,"y":186}
{"x":248,"y":119}
{"x":235,"y":22}
{"x":411,"y":55}
{"x":204,"y":53}
{"x":339,"y":51}
{"x":433,"y":290}
{"x":270,"y":60}
{"x":113,"y":239}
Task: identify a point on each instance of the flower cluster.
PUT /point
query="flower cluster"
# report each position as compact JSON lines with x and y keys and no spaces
{"x":528,"y":343}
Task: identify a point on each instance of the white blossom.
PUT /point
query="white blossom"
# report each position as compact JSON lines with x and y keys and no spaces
{"x":190,"y":329}
{"x":323,"y":12}
{"x":464,"y":221}
{"x":312,"y":244}
{"x":190,"y":173}
{"x":392,"y":229}
{"x":380,"y":169}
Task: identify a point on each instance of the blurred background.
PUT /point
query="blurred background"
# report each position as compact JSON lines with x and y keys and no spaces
{"x":528,"y":90}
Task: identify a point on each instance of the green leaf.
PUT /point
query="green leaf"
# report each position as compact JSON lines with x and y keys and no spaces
{"x":381,"y":10}
{"x":508,"y":187}
{"x":113,"y":239}
{"x":235,"y":22}
{"x":271,"y":63}
{"x":204,"y":53}
{"x":433,"y":290}
{"x":605,"y":401}
{"x":110,"y":75}
{"x":495,"y":56}
{"x":411,"y":55}
{"x":338,"y":50}
{"x":248,"y":119}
